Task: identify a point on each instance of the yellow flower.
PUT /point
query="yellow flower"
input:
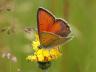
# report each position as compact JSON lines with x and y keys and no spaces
{"x":43,"y":55}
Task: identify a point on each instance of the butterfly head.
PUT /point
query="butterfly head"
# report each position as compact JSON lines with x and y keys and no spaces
{"x":41,"y":46}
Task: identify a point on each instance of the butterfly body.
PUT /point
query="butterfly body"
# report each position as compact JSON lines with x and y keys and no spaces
{"x":52,"y":32}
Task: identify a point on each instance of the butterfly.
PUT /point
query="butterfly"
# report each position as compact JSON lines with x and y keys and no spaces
{"x":52,"y":31}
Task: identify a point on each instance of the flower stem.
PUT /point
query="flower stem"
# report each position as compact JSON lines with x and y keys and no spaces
{"x":46,"y":70}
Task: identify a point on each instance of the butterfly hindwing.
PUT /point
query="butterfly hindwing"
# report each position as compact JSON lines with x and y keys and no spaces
{"x":49,"y":40}
{"x":60,"y":28}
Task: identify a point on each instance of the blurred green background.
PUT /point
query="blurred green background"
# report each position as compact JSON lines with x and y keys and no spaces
{"x":79,"y":55}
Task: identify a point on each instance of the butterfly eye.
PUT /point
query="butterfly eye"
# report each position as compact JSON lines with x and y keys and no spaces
{"x":39,"y":46}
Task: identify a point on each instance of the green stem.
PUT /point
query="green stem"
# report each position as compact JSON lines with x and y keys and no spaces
{"x":45,"y":70}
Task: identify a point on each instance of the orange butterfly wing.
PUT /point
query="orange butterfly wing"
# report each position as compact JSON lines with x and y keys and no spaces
{"x":60,"y":28}
{"x":52,"y":32}
{"x":48,"y":23}
{"x":50,"y":40}
{"x":45,"y":20}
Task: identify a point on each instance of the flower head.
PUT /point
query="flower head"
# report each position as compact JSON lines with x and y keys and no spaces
{"x":43,"y":55}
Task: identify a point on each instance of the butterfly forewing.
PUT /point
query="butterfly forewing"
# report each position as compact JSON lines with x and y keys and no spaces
{"x":45,"y":20}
